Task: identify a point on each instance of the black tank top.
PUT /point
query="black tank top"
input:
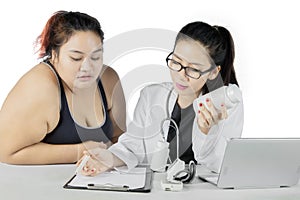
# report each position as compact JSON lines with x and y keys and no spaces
{"x":68,"y":131}
{"x":184,"y":119}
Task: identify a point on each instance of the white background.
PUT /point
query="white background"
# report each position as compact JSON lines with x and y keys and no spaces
{"x":266,"y":35}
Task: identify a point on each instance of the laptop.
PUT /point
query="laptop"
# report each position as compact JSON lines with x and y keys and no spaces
{"x":258,"y":163}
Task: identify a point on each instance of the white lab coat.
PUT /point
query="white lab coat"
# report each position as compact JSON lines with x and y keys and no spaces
{"x":155,"y":104}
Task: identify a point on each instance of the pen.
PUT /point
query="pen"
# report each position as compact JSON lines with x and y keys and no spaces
{"x":83,"y":162}
{"x":108,"y":186}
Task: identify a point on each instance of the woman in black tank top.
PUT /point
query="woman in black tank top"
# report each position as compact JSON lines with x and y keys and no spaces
{"x":68,"y":131}
{"x":68,"y":103}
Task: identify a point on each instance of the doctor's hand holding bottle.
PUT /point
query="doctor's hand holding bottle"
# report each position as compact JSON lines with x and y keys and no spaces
{"x":210,"y":115}
{"x":213,"y":106}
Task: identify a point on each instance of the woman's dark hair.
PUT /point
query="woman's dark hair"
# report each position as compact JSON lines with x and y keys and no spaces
{"x":60,"y":27}
{"x":219,"y":44}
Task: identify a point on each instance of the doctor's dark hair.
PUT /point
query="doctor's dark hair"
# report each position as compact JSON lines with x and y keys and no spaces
{"x":218,"y":42}
{"x":60,"y":27}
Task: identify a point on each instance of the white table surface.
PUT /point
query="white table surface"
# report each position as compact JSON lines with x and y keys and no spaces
{"x":46,"y":182}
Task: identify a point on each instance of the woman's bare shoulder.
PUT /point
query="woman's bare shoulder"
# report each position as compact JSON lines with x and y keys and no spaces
{"x":109,"y":75}
{"x":37,"y":81}
{"x":110,"y":80}
{"x":38,"y":88}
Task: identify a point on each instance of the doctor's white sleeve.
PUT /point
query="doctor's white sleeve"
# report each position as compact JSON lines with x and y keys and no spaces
{"x":209,"y":149}
{"x":130,"y":146}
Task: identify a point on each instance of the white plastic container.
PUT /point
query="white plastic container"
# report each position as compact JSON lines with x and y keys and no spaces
{"x":160,"y":157}
{"x":228,"y":95}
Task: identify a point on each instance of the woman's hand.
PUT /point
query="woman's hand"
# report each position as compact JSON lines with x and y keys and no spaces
{"x":207,"y":117}
{"x":85,"y":146}
{"x":100,"y":161}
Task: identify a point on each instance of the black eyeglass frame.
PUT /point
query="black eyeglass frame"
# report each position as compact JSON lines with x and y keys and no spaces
{"x":201,"y":73}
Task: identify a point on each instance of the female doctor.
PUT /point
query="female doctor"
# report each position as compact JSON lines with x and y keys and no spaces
{"x":201,"y":61}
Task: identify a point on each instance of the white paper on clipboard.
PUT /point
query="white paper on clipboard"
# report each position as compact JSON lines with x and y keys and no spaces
{"x":133,"y":179}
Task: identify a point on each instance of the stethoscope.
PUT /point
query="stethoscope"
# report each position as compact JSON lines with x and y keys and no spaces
{"x":168,"y":118}
{"x":185,"y":175}
{"x":171,"y":124}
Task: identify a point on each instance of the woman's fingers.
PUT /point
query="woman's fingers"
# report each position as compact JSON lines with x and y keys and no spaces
{"x":202,"y":123}
{"x":90,"y":168}
{"x":92,"y":171}
{"x":79,"y":161}
{"x":223,"y":114}
{"x":207,"y":119}
{"x":208,"y":115}
{"x":102,"y":145}
{"x":212,"y":110}
{"x":201,"y":120}
{"x":94,"y":153}
{"x":100,"y":161}
{"x":204,"y":119}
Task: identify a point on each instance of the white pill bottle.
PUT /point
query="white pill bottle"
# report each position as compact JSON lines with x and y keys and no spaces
{"x":226,"y":95}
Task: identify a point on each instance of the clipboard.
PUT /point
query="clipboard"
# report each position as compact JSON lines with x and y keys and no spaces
{"x":118,"y":188}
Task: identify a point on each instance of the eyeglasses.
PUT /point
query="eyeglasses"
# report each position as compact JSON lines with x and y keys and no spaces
{"x":189,"y":71}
